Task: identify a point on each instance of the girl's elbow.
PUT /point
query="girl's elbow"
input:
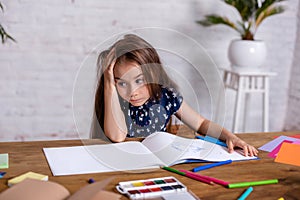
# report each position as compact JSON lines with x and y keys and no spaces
{"x":116,"y":136}
{"x":118,"y":139}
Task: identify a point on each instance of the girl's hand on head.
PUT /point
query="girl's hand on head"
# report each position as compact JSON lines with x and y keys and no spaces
{"x":109,"y":74}
{"x":110,"y":62}
{"x":234,"y":141}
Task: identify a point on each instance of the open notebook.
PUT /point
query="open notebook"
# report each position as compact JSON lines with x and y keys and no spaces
{"x":158,"y":149}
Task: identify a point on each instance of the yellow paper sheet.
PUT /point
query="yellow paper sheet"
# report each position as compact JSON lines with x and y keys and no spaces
{"x":24,"y":176}
{"x":289,"y":153}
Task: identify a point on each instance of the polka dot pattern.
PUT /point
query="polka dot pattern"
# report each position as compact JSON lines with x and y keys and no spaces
{"x":153,"y":116}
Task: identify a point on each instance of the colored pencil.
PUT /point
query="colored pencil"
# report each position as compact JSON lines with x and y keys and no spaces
{"x":208,"y":166}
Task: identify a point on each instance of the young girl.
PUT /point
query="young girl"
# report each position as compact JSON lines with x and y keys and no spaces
{"x":135,"y":97}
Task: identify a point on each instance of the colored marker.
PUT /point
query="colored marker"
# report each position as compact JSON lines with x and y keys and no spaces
{"x":217,"y":181}
{"x":2,"y":174}
{"x":203,"y":167}
{"x":91,"y":180}
{"x":212,"y":140}
{"x":254,"y":183}
{"x":197,"y":178}
{"x":173,"y":170}
{"x":246,"y":194}
{"x":188,"y":175}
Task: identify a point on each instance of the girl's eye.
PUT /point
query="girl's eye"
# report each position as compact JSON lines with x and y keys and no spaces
{"x":139,"y":81}
{"x":122,"y":84}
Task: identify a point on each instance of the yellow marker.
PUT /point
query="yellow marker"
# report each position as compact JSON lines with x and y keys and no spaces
{"x":281,"y":198}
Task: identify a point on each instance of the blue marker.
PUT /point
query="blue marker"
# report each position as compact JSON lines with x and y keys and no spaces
{"x":196,"y":169}
{"x":212,"y":140}
{"x":246,"y":193}
{"x":2,"y":174}
{"x":91,"y":180}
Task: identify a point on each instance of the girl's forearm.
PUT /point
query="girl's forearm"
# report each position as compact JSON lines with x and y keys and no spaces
{"x":114,"y":120}
{"x":214,"y":130}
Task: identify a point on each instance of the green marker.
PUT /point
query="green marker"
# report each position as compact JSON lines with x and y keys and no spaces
{"x":173,"y":170}
{"x":254,"y":183}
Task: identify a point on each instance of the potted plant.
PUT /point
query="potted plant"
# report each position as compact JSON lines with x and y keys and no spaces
{"x":4,"y":35}
{"x":246,"y":52}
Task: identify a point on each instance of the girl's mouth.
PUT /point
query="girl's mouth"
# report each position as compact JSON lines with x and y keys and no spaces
{"x":135,"y":101}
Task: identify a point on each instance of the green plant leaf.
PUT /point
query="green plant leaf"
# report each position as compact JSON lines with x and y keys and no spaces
{"x":246,"y":8}
{"x":216,"y":19}
{"x":1,"y":6}
{"x":4,"y":35}
{"x":251,"y":16}
{"x":266,"y":5}
{"x":267,"y":13}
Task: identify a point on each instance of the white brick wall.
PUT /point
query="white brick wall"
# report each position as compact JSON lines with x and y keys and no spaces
{"x":292,"y":120}
{"x":54,"y":37}
{"x":279,"y":32}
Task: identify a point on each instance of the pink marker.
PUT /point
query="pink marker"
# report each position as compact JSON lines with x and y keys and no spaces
{"x":192,"y":176}
{"x":217,"y":181}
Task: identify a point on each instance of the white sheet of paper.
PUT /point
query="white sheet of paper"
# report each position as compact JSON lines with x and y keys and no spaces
{"x":89,"y":159}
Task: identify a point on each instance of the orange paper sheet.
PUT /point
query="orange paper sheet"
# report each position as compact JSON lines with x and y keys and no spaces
{"x":289,"y":153}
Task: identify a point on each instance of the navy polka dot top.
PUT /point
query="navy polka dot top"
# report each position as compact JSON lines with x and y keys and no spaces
{"x":153,"y":116}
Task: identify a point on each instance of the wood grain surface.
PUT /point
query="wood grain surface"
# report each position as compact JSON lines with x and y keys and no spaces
{"x":29,"y":156}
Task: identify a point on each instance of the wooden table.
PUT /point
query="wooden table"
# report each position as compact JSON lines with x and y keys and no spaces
{"x":28,"y":156}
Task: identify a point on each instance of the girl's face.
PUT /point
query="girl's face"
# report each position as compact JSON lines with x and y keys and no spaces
{"x":130,"y":83}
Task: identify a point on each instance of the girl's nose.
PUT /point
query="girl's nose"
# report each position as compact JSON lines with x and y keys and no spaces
{"x":133,"y":90}
{"x":133,"y":94}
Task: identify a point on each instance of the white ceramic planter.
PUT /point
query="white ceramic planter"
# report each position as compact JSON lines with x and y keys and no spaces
{"x":247,"y":53}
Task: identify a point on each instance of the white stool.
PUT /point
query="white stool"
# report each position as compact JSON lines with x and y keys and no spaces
{"x":244,"y":83}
